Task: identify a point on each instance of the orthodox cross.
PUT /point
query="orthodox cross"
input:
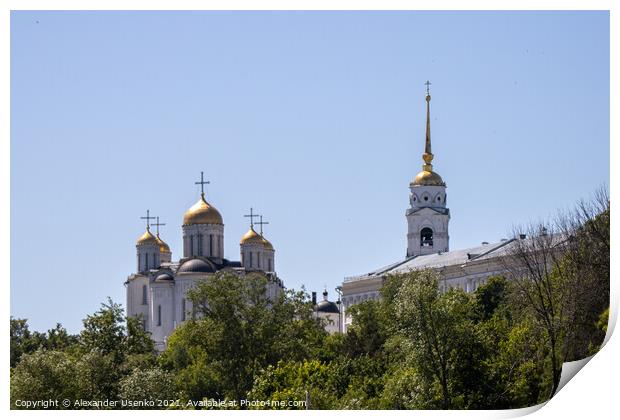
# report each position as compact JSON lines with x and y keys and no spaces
{"x":261,"y":223}
{"x":202,"y":183}
{"x":158,"y":225}
{"x":148,"y":218}
{"x":251,"y":216}
{"x":428,"y":84}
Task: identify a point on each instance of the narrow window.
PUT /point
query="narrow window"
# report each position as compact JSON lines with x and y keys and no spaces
{"x":258,"y":259}
{"x":191,"y":245}
{"x":220,"y":248}
{"x":144,"y":302}
{"x":269,"y":263}
{"x":159,"y":315}
{"x":250,"y":259}
{"x":211,"y":245}
{"x":139,"y":262}
{"x":183,"y":309}
{"x":199,"y":239}
{"x":146,"y":263}
{"x":426,"y":237}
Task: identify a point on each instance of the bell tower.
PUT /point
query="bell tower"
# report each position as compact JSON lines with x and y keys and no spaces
{"x":427,"y":216}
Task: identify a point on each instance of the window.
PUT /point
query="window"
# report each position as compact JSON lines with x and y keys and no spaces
{"x":191,"y":245}
{"x":269,"y":264}
{"x":426,"y":237}
{"x":159,"y":315}
{"x":250,"y":259}
{"x":146,"y":262}
{"x":210,"y":245}
{"x":144,"y":302}
{"x":438,"y":198}
{"x":139,"y":262}
{"x":258,"y":259}
{"x":199,"y":239}
{"x":183,"y":310}
{"x":425,"y":198}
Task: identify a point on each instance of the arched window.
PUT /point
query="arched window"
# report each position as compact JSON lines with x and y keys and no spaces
{"x":144,"y":302}
{"x":159,"y":315}
{"x":426,"y":237}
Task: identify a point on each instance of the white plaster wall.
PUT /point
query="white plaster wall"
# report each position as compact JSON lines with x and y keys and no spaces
{"x":192,"y":232}
{"x":153,"y":257}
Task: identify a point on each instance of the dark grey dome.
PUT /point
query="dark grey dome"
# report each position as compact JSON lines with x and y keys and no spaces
{"x":196,"y":265}
{"x":327,"y":306}
{"x":164,"y":277}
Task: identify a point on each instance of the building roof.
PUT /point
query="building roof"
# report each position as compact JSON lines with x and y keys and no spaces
{"x":440,"y":259}
{"x":328,"y":307}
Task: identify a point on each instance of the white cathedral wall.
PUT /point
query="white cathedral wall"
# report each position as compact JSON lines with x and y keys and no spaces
{"x":258,"y":260}
{"x":134,"y":298}
{"x":146,"y":263}
{"x":332,"y":321}
{"x":206,"y":248}
{"x":162,"y":296}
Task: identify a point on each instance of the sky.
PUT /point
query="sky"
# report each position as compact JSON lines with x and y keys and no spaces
{"x":314,"y":119}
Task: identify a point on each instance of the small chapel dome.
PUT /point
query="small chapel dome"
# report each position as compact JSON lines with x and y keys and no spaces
{"x":428,"y":178}
{"x":164,"y":277}
{"x":202,"y":213}
{"x":147,"y":239}
{"x":163,"y":247}
{"x":267,"y":244}
{"x":196,"y":265}
{"x":326,"y":306}
{"x":252,"y":237}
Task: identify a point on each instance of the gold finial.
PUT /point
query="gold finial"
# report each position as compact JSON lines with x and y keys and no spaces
{"x":428,"y":155}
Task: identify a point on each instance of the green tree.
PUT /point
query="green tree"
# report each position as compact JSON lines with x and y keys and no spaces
{"x":151,"y":385}
{"x":238,"y":331}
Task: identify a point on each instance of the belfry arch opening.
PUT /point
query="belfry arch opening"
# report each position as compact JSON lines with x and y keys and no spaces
{"x":426,"y":237}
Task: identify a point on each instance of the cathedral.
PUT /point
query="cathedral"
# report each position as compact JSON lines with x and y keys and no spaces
{"x":428,"y":242}
{"x":156,"y":292}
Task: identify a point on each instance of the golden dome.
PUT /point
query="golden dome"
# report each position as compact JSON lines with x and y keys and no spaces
{"x":252,"y":237}
{"x":202,"y":213}
{"x":163,"y":247}
{"x":428,"y":178}
{"x":147,"y":239}
{"x":267,"y":244}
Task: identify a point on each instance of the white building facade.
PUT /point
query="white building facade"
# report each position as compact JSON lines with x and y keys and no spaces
{"x":157,"y":291}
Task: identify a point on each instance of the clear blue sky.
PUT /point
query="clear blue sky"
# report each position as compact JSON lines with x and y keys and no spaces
{"x":316,"y":119}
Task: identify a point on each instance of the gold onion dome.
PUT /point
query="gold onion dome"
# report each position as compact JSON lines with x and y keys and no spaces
{"x":202,"y":213}
{"x":163,"y":247}
{"x":147,"y":238}
{"x":428,"y":178}
{"x":252,"y":237}
{"x":267,"y":244}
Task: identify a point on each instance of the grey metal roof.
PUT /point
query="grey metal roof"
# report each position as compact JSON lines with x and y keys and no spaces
{"x":439,"y":259}
{"x":196,"y":265}
{"x":327,"y":307}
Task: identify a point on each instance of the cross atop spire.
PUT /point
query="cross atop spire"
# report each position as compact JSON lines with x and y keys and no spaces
{"x":261,"y":223}
{"x":251,"y":216}
{"x":428,"y":90}
{"x":158,"y":225}
{"x":148,"y":219}
{"x":202,"y":183}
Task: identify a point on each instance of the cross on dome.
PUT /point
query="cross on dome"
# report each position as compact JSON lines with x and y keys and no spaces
{"x":202,"y":183}
{"x":261,"y":223}
{"x":148,"y":218}
{"x":251,"y":216}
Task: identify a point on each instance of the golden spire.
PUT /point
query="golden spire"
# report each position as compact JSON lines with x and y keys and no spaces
{"x":428,"y":155}
{"x":427,"y":176}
